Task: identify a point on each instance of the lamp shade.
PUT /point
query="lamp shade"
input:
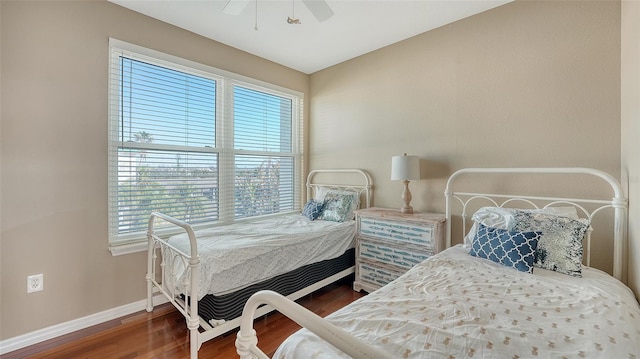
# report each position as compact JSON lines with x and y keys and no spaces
{"x":405,"y":168}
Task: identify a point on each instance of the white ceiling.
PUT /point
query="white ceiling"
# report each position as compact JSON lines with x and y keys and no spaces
{"x":357,"y":26}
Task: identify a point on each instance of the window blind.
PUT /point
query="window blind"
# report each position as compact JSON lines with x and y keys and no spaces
{"x":264,"y":161}
{"x":177,"y":148}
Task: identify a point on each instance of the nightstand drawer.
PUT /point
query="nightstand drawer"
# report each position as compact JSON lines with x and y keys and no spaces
{"x":376,"y":275}
{"x":398,"y":231}
{"x":395,"y":256}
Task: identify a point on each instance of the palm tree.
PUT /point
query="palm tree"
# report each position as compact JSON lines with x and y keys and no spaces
{"x":143,"y":137}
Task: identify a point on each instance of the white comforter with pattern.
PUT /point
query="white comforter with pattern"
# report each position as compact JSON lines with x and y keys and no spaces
{"x":454,"y":305}
{"x":235,"y":256}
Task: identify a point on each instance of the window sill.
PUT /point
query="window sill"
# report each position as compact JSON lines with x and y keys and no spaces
{"x":123,"y":249}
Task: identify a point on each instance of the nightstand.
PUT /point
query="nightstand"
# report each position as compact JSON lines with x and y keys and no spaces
{"x":388,"y":243}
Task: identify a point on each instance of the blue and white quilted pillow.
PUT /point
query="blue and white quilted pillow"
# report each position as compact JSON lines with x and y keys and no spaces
{"x":511,"y":249}
{"x":312,"y":209}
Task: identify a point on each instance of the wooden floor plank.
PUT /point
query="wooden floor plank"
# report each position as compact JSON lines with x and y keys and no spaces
{"x":163,"y":333}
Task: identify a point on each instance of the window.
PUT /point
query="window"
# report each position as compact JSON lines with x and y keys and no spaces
{"x":196,"y":143}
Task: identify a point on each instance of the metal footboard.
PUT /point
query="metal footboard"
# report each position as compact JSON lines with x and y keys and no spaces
{"x":191,"y":261}
{"x":247,"y":341}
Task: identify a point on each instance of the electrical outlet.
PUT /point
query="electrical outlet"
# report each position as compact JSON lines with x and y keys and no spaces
{"x":35,"y":283}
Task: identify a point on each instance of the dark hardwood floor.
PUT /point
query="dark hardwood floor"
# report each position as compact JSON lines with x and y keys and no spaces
{"x":163,"y":333}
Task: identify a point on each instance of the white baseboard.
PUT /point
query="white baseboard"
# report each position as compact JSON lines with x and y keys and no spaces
{"x":22,"y":341}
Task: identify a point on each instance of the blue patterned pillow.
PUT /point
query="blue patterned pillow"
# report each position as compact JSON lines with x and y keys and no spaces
{"x":312,"y":209}
{"x":339,"y":205}
{"x":560,"y":247}
{"x":511,"y":249}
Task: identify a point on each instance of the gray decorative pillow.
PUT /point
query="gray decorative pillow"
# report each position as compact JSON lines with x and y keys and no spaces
{"x":560,"y":246}
{"x":339,"y":205}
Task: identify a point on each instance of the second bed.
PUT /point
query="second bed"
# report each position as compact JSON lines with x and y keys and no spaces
{"x":292,"y":254}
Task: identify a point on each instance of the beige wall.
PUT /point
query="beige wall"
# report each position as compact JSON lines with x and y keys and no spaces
{"x":530,"y":83}
{"x":630,"y":108}
{"x":54,"y":153}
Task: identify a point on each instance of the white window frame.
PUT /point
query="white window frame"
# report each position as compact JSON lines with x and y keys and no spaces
{"x":135,"y":242}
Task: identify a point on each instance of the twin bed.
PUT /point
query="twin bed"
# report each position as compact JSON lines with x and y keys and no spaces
{"x":223,"y":266}
{"x":512,"y":290}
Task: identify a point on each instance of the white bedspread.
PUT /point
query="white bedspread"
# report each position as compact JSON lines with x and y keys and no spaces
{"x":238,"y":255}
{"x":457,"y":306}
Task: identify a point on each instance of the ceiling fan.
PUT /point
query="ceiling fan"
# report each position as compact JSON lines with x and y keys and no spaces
{"x":319,"y":8}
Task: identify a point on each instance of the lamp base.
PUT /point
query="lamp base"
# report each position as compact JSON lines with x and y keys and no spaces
{"x":407,"y":210}
{"x":406,"y":198}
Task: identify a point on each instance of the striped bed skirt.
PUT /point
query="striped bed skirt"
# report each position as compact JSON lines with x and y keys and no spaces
{"x":229,"y":306}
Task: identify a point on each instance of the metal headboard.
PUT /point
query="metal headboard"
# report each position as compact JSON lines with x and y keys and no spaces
{"x":365,"y":186}
{"x":618,"y":203}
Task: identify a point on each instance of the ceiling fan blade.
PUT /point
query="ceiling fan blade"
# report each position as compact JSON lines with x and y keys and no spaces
{"x":319,"y":9}
{"x":235,"y":7}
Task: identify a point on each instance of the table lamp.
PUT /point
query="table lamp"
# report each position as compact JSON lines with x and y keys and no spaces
{"x":405,"y":168}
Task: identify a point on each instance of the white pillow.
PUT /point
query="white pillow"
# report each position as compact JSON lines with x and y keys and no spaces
{"x":498,"y":217}
{"x":320,"y":192}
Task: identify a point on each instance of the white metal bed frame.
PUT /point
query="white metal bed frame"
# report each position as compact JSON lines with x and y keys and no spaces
{"x":618,"y":203}
{"x":246,"y":342}
{"x":192,"y":263}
